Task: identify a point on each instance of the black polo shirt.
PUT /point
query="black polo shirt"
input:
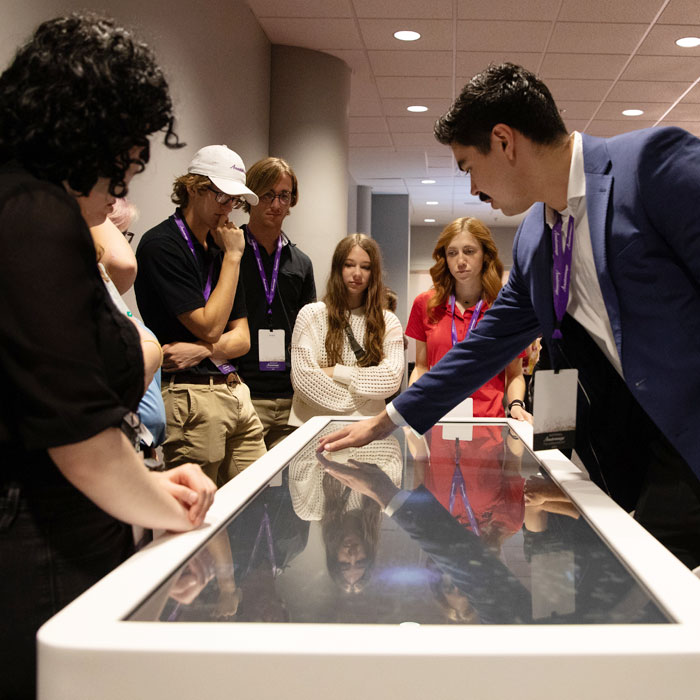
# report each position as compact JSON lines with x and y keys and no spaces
{"x":295,"y":288}
{"x":170,"y":282}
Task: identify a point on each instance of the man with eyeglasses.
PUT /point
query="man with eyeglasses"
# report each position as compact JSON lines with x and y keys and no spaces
{"x":189,"y":293}
{"x":278,"y":280}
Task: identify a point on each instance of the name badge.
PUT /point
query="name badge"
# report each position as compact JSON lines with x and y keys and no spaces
{"x":271,"y":350}
{"x":554,"y":409}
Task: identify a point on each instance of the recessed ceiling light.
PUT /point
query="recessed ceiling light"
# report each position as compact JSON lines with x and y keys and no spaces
{"x":427,"y":182}
{"x":417,"y":108}
{"x":429,"y":221}
{"x":406,"y":35}
{"x":432,"y":204}
{"x":688,"y":42}
{"x":633,"y":112}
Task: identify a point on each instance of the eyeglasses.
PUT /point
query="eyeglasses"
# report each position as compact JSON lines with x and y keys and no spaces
{"x":224,"y":199}
{"x":268,"y":198}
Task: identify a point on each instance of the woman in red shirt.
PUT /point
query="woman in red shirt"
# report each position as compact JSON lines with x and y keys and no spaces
{"x":466,"y":280}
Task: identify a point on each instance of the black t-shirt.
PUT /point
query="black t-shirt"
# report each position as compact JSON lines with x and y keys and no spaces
{"x":70,"y":362}
{"x":171,"y":281}
{"x":295,"y":288}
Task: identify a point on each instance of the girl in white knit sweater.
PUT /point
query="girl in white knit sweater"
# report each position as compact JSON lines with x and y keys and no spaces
{"x":347,"y":350}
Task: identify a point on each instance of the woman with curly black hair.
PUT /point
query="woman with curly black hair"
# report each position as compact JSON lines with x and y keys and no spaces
{"x":76,"y":107}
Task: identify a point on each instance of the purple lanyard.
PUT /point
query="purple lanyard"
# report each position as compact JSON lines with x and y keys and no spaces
{"x":227,"y":367}
{"x":458,"y":483}
{"x":561,"y":270}
{"x":270,"y":287}
{"x":267,"y":529}
{"x":473,"y":322}
{"x":188,"y":239}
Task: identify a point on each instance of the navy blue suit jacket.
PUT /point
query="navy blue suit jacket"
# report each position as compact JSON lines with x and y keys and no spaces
{"x":643,"y":202}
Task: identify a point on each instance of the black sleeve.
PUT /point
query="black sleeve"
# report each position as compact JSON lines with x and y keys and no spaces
{"x":61,"y":341}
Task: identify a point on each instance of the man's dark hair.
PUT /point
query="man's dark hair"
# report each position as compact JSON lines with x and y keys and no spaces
{"x":78,"y":96}
{"x":504,"y":94}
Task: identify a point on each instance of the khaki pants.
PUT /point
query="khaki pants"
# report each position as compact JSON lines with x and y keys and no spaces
{"x":274,"y":414}
{"x":212,"y":425}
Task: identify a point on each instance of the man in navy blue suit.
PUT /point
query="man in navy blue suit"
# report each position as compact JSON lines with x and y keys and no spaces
{"x":630,"y":318}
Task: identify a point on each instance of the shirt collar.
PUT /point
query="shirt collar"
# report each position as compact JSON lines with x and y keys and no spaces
{"x":576,"y":189}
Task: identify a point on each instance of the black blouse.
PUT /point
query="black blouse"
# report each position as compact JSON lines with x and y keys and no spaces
{"x":70,"y":362}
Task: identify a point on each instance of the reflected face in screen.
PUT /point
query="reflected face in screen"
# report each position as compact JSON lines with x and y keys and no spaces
{"x":352,"y":558}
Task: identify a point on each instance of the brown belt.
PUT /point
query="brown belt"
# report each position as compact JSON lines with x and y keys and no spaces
{"x":231,"y":378}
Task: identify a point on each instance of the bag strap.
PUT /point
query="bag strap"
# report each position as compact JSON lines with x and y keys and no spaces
{"x":356,"y":347}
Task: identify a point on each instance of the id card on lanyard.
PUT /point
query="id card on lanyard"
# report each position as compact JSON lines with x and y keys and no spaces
{"x":271,"y":355}
{"x":225,"y":367}
{"x":554,"y":398}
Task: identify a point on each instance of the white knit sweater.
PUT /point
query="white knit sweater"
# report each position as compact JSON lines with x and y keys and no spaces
{"x":352,"y":390}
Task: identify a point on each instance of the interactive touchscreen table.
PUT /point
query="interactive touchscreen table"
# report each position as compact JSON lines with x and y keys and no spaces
{"x":455,"y":563}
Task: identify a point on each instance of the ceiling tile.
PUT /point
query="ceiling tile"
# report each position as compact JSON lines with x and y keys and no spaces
{"x":300,"y":8}
{"x":663,"y":68}
{"x":368,"y":125}
{"x":435,"y":9}
{"x":487,"y":35}
{"x":638,"y":90}
{"x":567,"y":66}
{"x":412,"y":124}
{"x":396,"y":107}
{"x":469,"y":63}
{"x":370,"y":140}
{"x":684,"y":112}
{"x":610,"y":10}
{"x":681,"y":12}
{"x":312,"y":33}
{"x":420,"y":139}
{"x":436,"y":34}
{"x":423,"y":63}
{"x":569,"y":89}
{"x":661,"y":40}
{"x":595,"y":37}
{"x":611,"y":127}
{"x":577,"y":109}
{"x":415,"y":88}
{"x":508,"y":10}
{"x":365,"y":108}
{"x":613,"y":111}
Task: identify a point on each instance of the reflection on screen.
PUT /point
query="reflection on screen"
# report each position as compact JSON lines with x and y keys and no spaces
{"x":460,"y":526}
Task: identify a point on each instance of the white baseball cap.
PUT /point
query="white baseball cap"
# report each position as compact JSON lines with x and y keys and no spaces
{"x":225,"y":169}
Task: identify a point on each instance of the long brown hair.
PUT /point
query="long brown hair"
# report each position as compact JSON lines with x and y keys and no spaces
{"x":491,"y":272}
{"x":336,"y":301}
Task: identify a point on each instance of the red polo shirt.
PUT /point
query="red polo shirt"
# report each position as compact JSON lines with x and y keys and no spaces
{"x":488,"y":400}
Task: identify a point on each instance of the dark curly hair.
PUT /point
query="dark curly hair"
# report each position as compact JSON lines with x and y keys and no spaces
{"x":78,"y":96}
{"x":503,"y":94}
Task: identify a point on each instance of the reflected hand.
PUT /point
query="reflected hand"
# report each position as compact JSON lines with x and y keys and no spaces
{"x":196,"y":574}
{"x":228,"y":602}
{"x":367,"y":479}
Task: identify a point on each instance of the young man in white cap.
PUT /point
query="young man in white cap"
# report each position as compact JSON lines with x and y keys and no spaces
{"x":189,"y":294}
